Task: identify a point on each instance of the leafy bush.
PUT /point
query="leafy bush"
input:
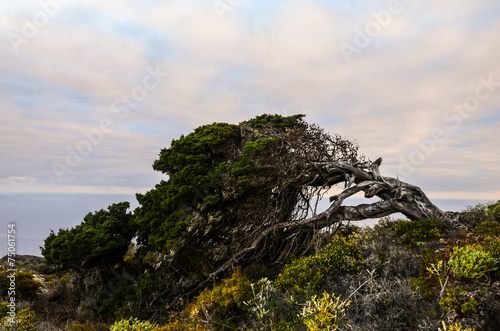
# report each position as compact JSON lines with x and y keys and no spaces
{"x":492,"y":246}
{"x":340,"y":255}
{"x":455,"y":327}
{"x":133,"y":324}
{"x":487,"y":228}
{"x":471,"y":261}
{"x":474,"y":215}
{"x":415,"y":232}
{"x":326,"y":313}
{"x":493,"y":209}
{"x":24,"y":321}
{"x":223,"y":302}
{"x":456,"y":299}
{"x":26,"y":285}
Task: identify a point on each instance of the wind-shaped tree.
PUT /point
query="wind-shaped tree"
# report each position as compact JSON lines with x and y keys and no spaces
{"x":248,"y":193}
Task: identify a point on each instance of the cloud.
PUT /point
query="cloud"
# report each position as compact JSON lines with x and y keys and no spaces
{"x":18,"y":180}
{"x":260,"y":58}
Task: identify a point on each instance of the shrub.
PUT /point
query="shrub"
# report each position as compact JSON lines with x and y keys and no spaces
{"x":260,"y":304}
{"x":133,"y":324}
{"x":493,"y":209}
{"x":455,"y":327}
{"x":26,"y":285}
{"x":487,"y":228}
{"x":224,"y":301}
{"x":24,"y":321}
{"x":85,"y":327}
{"x":178,"y":325}
{"x":420,"y":284}
{"x":456,"y":299}
{"x":388,"y":259}
{"x":309,"y":272}
{"x":475,"y":215}
{"x":326,"y":313}
{"x":471,"y":261}
{"x":492,"y":246}
{"x":415,"y":232}
{"x":392,"y":305}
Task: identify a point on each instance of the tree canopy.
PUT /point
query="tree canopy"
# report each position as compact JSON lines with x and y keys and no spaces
{"x":99,"y":241}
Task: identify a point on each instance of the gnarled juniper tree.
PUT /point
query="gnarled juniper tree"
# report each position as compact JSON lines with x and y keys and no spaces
{"x":238,"y":194}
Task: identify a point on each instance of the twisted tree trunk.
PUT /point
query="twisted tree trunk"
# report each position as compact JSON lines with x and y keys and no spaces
{"x":396,"y":196}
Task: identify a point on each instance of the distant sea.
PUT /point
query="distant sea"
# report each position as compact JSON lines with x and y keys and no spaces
{"x":36,"y":214}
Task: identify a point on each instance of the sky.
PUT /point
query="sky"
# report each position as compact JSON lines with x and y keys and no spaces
{"x":91,"y":91}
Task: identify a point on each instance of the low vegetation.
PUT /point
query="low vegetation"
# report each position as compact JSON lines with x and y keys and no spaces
{"x":399,"y":275}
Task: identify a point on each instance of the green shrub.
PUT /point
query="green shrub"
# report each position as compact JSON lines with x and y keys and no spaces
{"x":326,"y":313}
{"x":471,"y":261}
{"x":455,"y":327}
{"x":26,"y":285}
{"x":24,"y":321}
{"x":457,"y":300}
{"x":487,"y":228}
{"x":493,"y":210}
{"x":133,"y":324}
{"x":492,"y":246}
{"x":309,"y":272}
{"x":224,"y":301}
{"x":476,"y":214}
{"x":415,"y":232}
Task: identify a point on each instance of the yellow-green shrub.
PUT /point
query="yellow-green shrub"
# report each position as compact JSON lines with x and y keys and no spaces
{"x":326,"y":313}
{"x":26,"y":285}
{"x":223,"y":301}
{"x":492,"y":246}
{"x":309,"y":272}
{"x":455,"y":327}
{"x":133,"y":324}
{"x":487,"y":228}
{"x":24,"y":321}
{"x":471,"y":261}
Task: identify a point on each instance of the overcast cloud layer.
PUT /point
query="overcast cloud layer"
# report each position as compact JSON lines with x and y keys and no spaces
{"x":90,"y":91}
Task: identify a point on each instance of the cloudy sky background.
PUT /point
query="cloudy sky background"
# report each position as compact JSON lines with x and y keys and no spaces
{"x":390,"y":75}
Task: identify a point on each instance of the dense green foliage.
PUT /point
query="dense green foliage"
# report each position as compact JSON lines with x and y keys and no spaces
{"x":308,"y":273}
{"x":487,"y":228}
{"x":472,"y":261}
{"x":415,"y":232}
{"x":191,"y":163}
{"x":100,"y":240}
